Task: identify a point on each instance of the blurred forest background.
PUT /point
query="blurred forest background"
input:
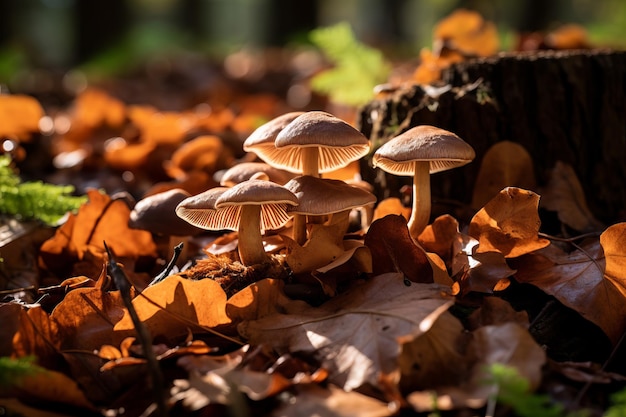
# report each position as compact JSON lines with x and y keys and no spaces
{"x":110,"y":35}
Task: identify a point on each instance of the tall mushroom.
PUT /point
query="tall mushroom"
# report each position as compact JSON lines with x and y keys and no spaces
{"x":317,"y":142}
{"x":419,"y":152}
{"x":250,"y":207}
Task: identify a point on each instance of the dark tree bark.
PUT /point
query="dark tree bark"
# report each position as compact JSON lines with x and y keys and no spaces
{"x":560,"y":105}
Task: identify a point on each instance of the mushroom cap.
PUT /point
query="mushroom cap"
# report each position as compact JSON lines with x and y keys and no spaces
{"x":321,"y":196}
{"x":157,"y":214}
{"x":220,"y":207}
{"x":261,"y":140}
{"x":443,"y":149}
{"x":254,"y":170}
{"x":339,"y":143}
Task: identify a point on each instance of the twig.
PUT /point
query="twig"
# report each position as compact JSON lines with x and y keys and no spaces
{"x":166,"y":272}
{"x":156,"y":376}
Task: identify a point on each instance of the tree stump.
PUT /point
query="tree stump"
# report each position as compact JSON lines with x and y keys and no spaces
{"x":560,"y":105}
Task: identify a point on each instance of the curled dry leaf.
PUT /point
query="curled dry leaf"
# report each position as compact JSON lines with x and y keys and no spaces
{"x":380,"y":311}
{"x":393,"y":250}
{"x":478,"y":272}
{"x":505,"y":164}
{"x":564,"y":194}
{"x":509,"y":224}
{"x":591,"y":280}
{"x":440,"y":236}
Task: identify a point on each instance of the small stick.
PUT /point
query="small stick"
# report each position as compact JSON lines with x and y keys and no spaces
{"x":156,"y":376}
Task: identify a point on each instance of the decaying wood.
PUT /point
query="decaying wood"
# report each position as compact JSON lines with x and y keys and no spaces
{"x":560,"y":105}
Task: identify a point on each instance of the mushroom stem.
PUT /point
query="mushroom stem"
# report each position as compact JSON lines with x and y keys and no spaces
{"x":299,"y":228}
{"x":420,"y":213}
{"x":310,"y":162}
{"x":251,"y":250}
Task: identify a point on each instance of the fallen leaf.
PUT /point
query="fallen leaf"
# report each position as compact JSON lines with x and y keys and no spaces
{"x":393,"y":250}
{"x":379,"y":311}
{"x":440,"y":236}
{"x":391,"y":205}
{"x":174,"y":305}
{"x":322,"y":248}
{"x":508,"y":344}
{"x":509,"y":223}
{"x":466,"y":31}
{"x":564,"y":194}
{"x":478,"y":272}
{"x":505,"y":164}
{"x":590,"y":280}
{"x":20,"y":115}
{"x":81,"y":237}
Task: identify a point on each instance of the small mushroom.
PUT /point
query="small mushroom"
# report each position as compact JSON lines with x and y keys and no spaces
{"x":254,"y":170}
{"x":156,"y":213}
{"x":250,"y":207}
{"x":325,"y":196}
{"x":419,"y":152}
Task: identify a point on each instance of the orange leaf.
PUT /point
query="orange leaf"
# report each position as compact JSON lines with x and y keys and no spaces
{"x":20,"y":115}
{"x":467,"y":32}
{"x":509,"y":224}
{"x":81,"y":237}
{"x":176,"y":304}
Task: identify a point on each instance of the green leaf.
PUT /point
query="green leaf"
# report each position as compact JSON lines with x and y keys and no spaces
{"x":357,"y":69}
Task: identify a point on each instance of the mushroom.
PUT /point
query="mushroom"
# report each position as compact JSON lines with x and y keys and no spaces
{"x":250,"y":207}
{"x":261,"y":140}
{"x":419,"y":152}
{"x":156,"y":214}
{"x":325,"y":196}
{"x":317,"y":142}
{"x":254,"y":170}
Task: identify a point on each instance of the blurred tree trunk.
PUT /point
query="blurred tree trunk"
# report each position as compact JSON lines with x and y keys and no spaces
{"x":99,"y":25}
{"x":567,"y":106}
{"x":290,"y":19}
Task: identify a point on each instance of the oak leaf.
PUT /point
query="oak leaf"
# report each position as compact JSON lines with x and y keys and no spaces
{"x":509,"y":223}
{"x":379,"y":312}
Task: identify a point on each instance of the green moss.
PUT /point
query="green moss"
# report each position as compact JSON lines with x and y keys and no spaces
{"x":34,"y":200}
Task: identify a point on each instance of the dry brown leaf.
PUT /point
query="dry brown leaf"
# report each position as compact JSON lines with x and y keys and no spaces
{"x":505,"y":164}
{"x":33,"y":333}
{"x":378,"y":312}
{"x":495,"y":310}
{"x":313,"y":400}
{"x":478,"y":272}
{"x":439,"y":237}
{"x":508,"y":344}
{"x":47,"y":386}
{"x":161,"y":127}
{"x":86,"y":317}
{"x":81,"y":237}
{"x":322,"y":248}
{"x":564,"y":194}
{"x":467,"y":32}
{"x":174,"y":305}
{"x":509,"y":224}
{"x":393,"y":250}
{"x":391,"y":205}
{"x":584,"y":280}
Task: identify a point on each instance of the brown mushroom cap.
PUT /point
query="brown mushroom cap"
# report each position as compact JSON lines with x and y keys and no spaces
{"x":322,"y":196}
{"x":273,"y":199}
{"x":338,"y":142}
{"x":157,"y":214}
{"x":220,"y":208}
{"x":261,"y":140}
{"x":254,"y":170}
{"x":443,"y":149}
